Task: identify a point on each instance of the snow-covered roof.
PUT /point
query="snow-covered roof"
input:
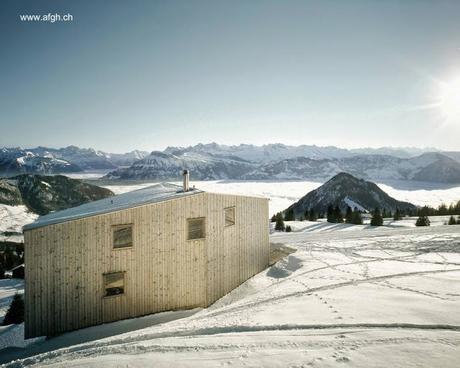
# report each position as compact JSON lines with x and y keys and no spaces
{"x":155,"y":193}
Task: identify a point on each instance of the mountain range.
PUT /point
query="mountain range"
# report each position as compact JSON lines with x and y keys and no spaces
{"x":44,"y":160}
{"x":346,"y":190}
{"x":213,"y":163}
{"x":430,"y":167}
{"x":241,"y":162}
{"x":43,"y":194}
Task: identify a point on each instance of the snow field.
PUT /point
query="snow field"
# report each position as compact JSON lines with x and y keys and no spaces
{"x":13,"y":218}
{"x":350,"y":295}
{"x":359,"y":299}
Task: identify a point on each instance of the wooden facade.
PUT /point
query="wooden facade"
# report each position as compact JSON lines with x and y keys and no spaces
{"x":66,"y":262}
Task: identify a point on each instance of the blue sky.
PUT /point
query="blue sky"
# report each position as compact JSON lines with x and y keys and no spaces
{"x":148,"y":74}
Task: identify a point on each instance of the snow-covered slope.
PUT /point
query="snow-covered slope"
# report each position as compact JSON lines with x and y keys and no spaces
{"x":13,"y":218}
{"x":160,"y":166}
{"x":42,"y":194}
{"x":372,"y":298}
{"x":344,"y":190}
{"x":267,"y":152}
{"x":435,"y":167}
{"x":86,"y":158}
{"x":401,"y":152}
{"x":431,"y":167}
{"x":126,"y":159}
{"x":295,"y":169}
{"x":17,"y":160}
{"x":455,"y":155}
{"x":66,"y":159}
{"x":242,"y":162}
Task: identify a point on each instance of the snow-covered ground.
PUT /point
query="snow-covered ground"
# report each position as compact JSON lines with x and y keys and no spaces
{"x":8,"y":287}
{"x":322,"y":225}
{"x":351,"y":295}
{"x":12,"y":219}
{"x":386,"y":297}
{"x":90,"y":174}
{"x":10,"y":335}
{"x":284,"y":193}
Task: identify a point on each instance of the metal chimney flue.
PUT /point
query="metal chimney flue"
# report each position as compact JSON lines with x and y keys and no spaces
{"x":186,"y":175}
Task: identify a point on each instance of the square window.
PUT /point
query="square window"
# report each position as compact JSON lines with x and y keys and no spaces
{"x":122,"y":236}
{"x":229,"y":216}
{"x":195,"y":228}
{"x":114,"y":283}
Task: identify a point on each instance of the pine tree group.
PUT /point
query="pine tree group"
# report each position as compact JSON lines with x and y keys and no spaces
{"x":397,"y":215}
{"x":289,"y":215}
{"x":385,"y":214}
{"x":442,"y":210}
{"x":311,"y":215}
{"x":334,"y":215}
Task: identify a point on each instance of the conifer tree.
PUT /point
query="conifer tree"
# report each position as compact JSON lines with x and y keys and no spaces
{"x":9,"y":259}
{"x":273,"y":219}
{"x":288,"y":229}
{"x":330,"y":214}
{"x":279,"y":225}
{"x":377,"y":219}
{"x":356,"y":217}
{"x":312,"y":215}
{"x":349,"y":215}
{"x":422,"y":221}
{"x":452,"y":221}
{"x":397,"y":215}
{"x":15,"y":313}
{"x":338,"y":215}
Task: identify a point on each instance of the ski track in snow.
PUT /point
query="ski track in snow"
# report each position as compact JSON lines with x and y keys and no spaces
{"x":347,"y":294}
{"x":364,"y":298}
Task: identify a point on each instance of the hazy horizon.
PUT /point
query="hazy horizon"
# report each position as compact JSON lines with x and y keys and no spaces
{"x":153,"y":74}
{"x":408,"y":148}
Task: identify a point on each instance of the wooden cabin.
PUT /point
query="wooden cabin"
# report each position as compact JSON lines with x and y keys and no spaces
{"x":165,"y":247}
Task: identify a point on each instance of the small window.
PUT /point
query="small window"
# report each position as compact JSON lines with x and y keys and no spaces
{"x":195,"y":228}
{"x":114,"y":283}
{"x":123,"y":236}
{"x":229,"y":216}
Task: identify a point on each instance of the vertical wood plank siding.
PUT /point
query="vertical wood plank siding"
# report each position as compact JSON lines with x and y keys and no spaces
{"x":65,"y":262}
